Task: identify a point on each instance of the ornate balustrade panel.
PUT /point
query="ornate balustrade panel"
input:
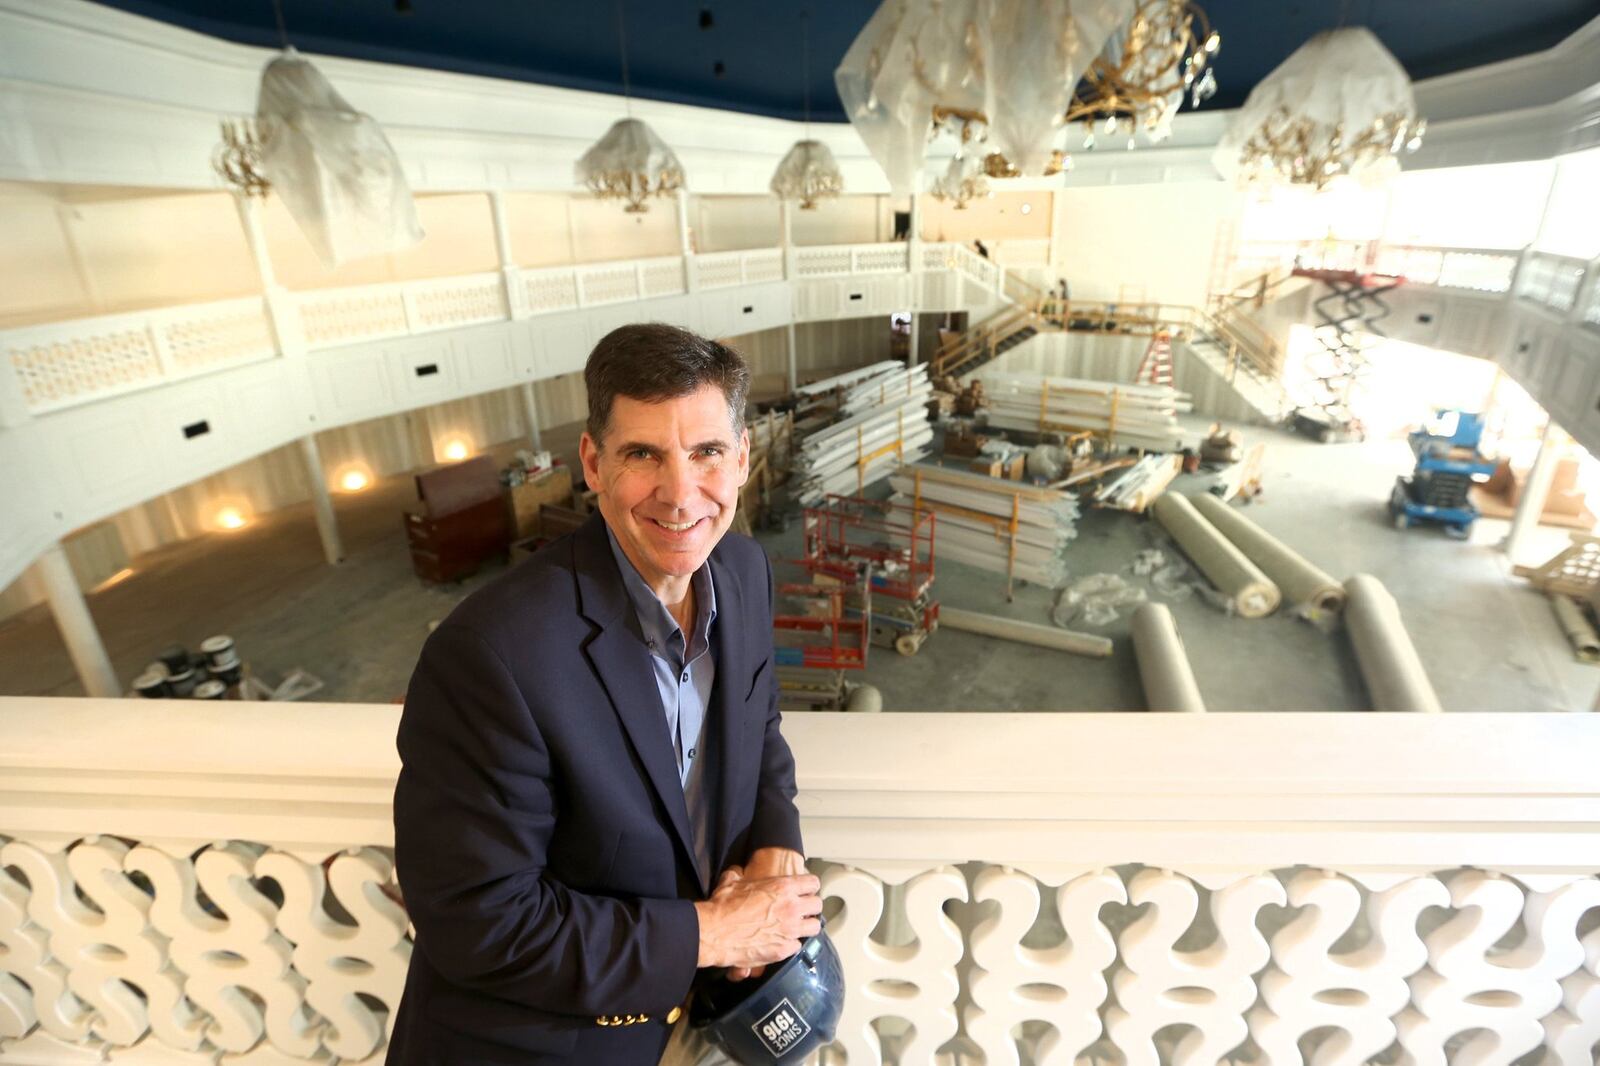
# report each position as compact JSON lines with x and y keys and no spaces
{"x":1553,"y":281}
{"x":445,"y":303}
{"x":214,"y":884}
{"x":62,"y":364}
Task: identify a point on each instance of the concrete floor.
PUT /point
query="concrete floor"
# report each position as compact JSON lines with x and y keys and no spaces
{"x":1490,"y":643}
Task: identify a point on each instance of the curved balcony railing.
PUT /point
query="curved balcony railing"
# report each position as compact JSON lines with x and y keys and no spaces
{"x":216,"y":883}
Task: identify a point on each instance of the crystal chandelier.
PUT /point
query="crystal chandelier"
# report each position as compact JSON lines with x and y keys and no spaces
{"x":1340,"y":106}
{"x":808,"y":172}
{"x":330,"y":164}
{"x":962,"y":181}
{"x":997,"y":72}
{"x":1139,"y":80}
{"x":630,"y":163}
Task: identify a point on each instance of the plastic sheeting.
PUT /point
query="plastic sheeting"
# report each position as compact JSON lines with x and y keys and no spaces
{"x":1015,"y":61}
{"x":808,"y":174}
{"x":1341,"y":80}
{"x":333,"y":167}
{"x":631,"y":162}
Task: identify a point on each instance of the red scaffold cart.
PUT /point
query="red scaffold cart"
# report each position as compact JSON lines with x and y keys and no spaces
{"x":822,"y":632}
{"x":896,"y":543}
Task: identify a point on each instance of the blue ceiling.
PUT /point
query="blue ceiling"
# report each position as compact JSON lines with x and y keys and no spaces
{"x":749,"y":59}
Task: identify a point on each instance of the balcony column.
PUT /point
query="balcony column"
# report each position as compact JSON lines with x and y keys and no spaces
{"x":321,"y":501}
{"x":1530,"y":502}
{"x":786,"y":238}
{"x":510,"y":274}
{"x":530,"y":408}
{"x":71,"y":612}
{"x":691,"y":281}
{"x":794,"y":377}
{"x":914,"y":267}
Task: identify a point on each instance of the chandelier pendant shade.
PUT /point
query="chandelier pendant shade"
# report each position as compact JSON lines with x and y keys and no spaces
{"x":630,"y":163}
{"x":1340,"y":106}
{"x":808,"y":173}
{"x":332,"y":166}
{"x":1149,"y":65}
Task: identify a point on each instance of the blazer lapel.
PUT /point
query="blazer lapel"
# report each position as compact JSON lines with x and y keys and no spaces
{"x":727,"y":725}
{"x":622,"y":663}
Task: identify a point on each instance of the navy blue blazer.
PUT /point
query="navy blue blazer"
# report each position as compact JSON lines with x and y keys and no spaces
{"x":542,"y":843}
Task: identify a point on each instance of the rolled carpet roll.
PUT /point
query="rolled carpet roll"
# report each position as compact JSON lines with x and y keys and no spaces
{"x":1095,"y":647}
{"x":1576,"y":625}
{"x":1219,"y":559}
{"x":1164,"y":669}
{"x":1389,"y":663}
{"x":1303,"y":584}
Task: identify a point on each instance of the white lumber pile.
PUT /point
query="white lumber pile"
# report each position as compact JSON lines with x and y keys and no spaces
{"x":1137,"y":416}
{"x":1140,"y":485}
{"x":975,"y":516}
{"x":884,"y":412}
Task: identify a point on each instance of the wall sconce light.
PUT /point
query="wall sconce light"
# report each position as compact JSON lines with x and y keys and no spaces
{"x":231,"y":518}
{"x":457,"y":450}
{"x":354,"y":480}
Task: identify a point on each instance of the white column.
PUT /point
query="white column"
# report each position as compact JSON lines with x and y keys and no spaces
{"x":794,"y":377}
{"x":691,"y":281}
{"x":1531,"y":500}
{"x":786,"y":237}
{"x":283,"y":312}
{"x":72,"y":617}
{"x":321,"y":501}
{"x":510,"y":273}
{"x":914,"y":240}
{"x":912,"y":360}
{"x":530,"y":408}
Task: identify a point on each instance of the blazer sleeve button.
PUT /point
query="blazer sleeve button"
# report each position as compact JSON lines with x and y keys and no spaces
{"x":673,"y":1015}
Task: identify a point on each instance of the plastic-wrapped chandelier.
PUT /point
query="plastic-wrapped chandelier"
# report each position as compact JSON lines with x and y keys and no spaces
{"x":962,"y":181}
{"x":1139,"y":80}
{"x":632,"y":164}
{"x":1340,"y":106}
{"x":808,"y":174}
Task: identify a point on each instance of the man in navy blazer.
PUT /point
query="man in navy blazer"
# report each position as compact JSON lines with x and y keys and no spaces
{"x":595,"y":800}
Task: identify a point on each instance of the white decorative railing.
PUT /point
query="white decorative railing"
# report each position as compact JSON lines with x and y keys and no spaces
{"x":204,"y":880}
{"x":834,"y":260}
{"x":719,"y":270}
{"x":60,"y":364}
{"x":1551,"y":280}
{"x":1480,"y":270}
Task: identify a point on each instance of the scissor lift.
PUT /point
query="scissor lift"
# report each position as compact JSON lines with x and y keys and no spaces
{"x":827,"y":637}
{"x":1353,"y":305}
{"x":896,"y":542}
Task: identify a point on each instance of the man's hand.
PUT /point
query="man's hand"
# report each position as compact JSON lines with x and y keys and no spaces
{"x":749,"y":922}
{"x":766,"y":862}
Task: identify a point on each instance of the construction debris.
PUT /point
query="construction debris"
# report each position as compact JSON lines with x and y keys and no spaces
{"x":1135,"y":416}
{"x":994,"y":524}
{"x":1141,"y":485}
{"x":1575,"y":623}
{"x":1087,"y":644}
{"x":1248,"y":592}
{"x":882,"y":423}
{"x":1164,"y":669}
{"x":1573,"y":571}
{"x":1389,"y":663}
{"x":1242,"y":478}
{"x":1221,"y":446}
{"x":1095,"y":600}
{"x":1303,"y":584}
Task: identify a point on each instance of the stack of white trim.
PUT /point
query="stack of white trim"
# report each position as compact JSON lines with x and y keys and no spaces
{"x":1047,"y":520}
{"x":1145,"y":414}
{"x":879,"y":408}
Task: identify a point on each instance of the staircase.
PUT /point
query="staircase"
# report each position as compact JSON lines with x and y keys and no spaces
{"x":1223,"y":337}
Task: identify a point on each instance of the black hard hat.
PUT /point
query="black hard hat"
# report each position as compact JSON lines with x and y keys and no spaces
{"x":782,"y":1016}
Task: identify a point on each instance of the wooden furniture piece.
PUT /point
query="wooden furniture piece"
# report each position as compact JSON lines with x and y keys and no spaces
{"x":524,"y":500}
{"x":462,"y":522}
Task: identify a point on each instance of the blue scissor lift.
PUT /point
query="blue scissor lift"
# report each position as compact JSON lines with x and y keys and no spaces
{"x":1449,"y":461}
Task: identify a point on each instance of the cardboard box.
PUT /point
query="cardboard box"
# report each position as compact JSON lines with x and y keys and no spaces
{"x":1011,"y":469}
{"x":964,"y":445}
{"x":550,"y":486}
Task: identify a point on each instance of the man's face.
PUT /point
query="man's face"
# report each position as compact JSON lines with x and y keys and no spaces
{"x":667,"y":479}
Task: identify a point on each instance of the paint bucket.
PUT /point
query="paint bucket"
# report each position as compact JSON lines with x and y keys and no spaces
{"x":175,"y":659}
{"x":210,"y":690}
{"x":182,"y":682}
{"x":230,"y":673}
{"x":152,"y":685}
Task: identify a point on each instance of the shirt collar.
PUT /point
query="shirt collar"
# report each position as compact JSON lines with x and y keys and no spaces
{"x":655,"y":621}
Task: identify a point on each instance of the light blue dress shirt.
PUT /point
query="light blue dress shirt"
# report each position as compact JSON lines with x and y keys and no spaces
{"x":685,"y":671}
